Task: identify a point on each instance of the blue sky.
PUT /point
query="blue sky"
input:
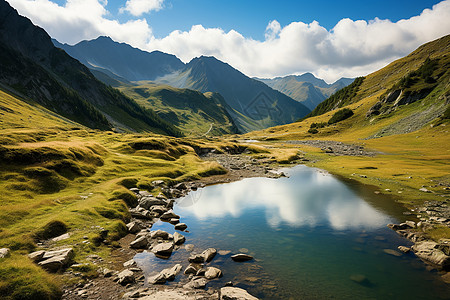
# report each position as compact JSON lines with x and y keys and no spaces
{"x":330,"y":39}
{"x":250,"y":18}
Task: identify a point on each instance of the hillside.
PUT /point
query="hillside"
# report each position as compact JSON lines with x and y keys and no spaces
{"x":33,"y":68}
{"x":252,"y":104}
{"x":306,"y":88}
{"x":120,"y":59}
{"x":192,"y":112}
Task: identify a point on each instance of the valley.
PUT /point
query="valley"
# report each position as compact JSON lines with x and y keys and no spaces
{"x":110,"y":157}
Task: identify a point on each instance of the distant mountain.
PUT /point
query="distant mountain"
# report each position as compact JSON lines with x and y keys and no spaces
{"x":32,"y":67}
{"x":193,"y":112}
{"x":252,"y":104}
{"x":122,"y":60}
{"x":306,"y":88}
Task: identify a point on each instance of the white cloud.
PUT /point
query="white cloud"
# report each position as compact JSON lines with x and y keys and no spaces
{"x":79,"y":20}
{"x":350,"y":49}
{"x":140,"y":7}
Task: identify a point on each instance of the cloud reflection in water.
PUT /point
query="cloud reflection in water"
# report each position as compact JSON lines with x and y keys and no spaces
{"x":308,"y":198}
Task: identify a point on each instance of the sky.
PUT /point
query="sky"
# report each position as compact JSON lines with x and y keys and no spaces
{"x":330,"y":39}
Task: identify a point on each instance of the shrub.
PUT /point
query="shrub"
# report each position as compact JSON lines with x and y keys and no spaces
{"x":341,"y":115}
{"x":313,"y":130}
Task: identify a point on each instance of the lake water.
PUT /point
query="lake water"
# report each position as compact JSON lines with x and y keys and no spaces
{"x":312,"y":235}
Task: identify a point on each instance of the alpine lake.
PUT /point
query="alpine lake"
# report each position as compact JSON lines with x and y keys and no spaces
{"x":312,"y":236}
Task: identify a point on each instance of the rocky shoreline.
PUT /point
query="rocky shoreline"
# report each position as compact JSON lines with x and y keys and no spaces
{"x":122,"y":279}
{"x":435,"y":254}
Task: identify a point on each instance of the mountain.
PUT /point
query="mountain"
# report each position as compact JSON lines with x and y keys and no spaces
{"x":251,"y":103}
{"x":193,"y":112}
{"x":33,"y":68}
{"x":306,"y":88}
{"x":421,"y":78}
{"x":412,"y":94}
{"x":122,"y":60}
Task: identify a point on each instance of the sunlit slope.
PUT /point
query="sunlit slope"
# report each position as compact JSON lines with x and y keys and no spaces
{"x":193,"y":112}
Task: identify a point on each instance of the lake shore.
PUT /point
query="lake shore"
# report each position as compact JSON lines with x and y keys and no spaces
{"x":239,"y":167}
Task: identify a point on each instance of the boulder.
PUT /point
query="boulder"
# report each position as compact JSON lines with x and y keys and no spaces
{"x":158,"y":209}
{"x":212,"y":272}
{"x":180,"y":226}
{"x":157,"y":182}
{"x":192,"y":269}
{"x":147,"y":202}
{"x":404,"y":249}
{"x":134,"y":227}
{"x":125,"y":277}
{"x":429,"y":252}
{"x":196,"y":283}
{"x":178,"y":238}
{"x":129,"y":263}
{"x":169,"y":215}
{"x":159,"y":234}
{"x":4,"y":252}
{"x":36,"y":256}
{"x":234,"y":293}
{"x":163,"y":249}
{"x":196,"y":258}
{"x":53,"y":264}
{"x":174,"y":221}
{"x":139,"y":243}
{"x":166,"y":274}
{"x":209,"y":254}
{"x":240,"y":257}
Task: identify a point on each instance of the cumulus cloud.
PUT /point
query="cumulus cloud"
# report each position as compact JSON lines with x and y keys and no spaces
{"x":79,"y":20}
{"x":139,"y":7}
{"x":352,"y":48}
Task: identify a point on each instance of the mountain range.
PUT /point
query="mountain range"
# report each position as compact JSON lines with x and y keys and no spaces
{"x":306,"y":88}
{"x":34,"y":69}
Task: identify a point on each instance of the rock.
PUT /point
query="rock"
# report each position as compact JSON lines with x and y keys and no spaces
{"x":132,"y":294}
{"x":125,"y":277}
{"x":135,"y":190}
{"x":196,"y":258}
{"x":192,"y":269}
{"x":55,"y":260}
{"x":163,"y":249}
{"x":400,"y":226}
{"x":178,"y":238}
{"x":180,"y":226}
{"x":169,"y":215}
{"x":427,"y":250}
{"x":209,"y":254}
{"x":198,"y":283}
{"x":240,"y":257}
{"x":189,"y":247}
{"x":166,"y":274}
{"x":159,"y":234}
{"x":201,"y":272}
{"x":212,"y":272}
{"x":425,"y":190}
{"x":139,"y":243}
{"x":392,"y":252}
{"x":234,"y":293}
{"x":148,"y":202}
{"x":174,"y":221}
{"x":134,"y":227}
{"x":129,"y":263}
{"x":107,"y":272}
{"x":180,"y":186}
{"x":36,"y":256}
{"x":61,"y":237}
{"x":360,"y":279}
{"x":4,"y":252}
{"x":224,"y":252}
{"x":411,"y":224}
{"x":404,"y":249}
{"x":158,"y":209}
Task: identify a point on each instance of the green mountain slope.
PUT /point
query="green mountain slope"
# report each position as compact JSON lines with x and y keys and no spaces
{"x":421,"y":77}
{"x":104,"y":54}
{"x":306,"y":88}
{"x":33,"y":68}
{"x":251,"y":103}
{"x":191,"y":111}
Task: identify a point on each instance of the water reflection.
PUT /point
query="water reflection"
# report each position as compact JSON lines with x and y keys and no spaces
{"x":308,"y":198}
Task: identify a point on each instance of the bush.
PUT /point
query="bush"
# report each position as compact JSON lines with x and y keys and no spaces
{"x":341,"y":115}
{"x":313,"y":130}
